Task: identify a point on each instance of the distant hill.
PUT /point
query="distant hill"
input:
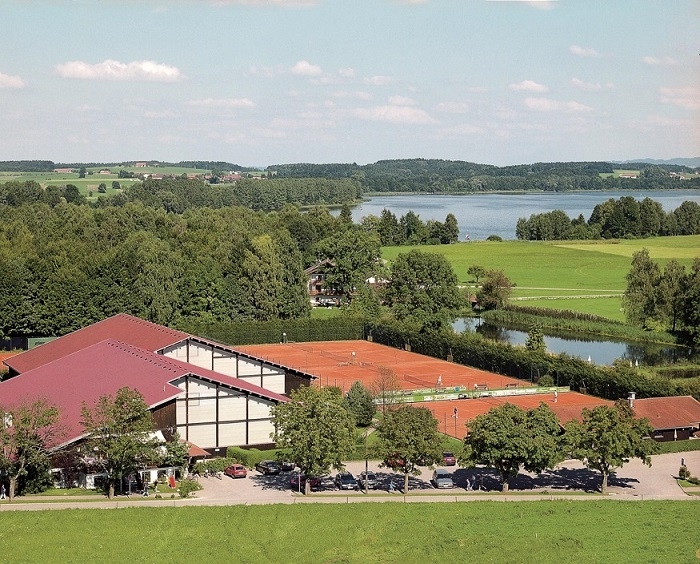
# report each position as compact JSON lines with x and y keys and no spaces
{"x":693,"y":162}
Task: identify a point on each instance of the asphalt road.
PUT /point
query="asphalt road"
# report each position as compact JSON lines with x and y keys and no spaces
{"x":570,"y":480}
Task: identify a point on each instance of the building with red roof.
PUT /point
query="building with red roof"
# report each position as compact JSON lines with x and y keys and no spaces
{"x":209,"y":409}
{"x":673,"y":418}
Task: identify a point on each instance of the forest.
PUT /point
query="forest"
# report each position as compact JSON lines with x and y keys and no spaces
{"x":613,"y":219}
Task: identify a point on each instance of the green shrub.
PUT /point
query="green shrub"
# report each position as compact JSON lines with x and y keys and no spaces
{"x":187,"y":486}
{"x":546,"y":381}
{"x":683,"y":472}
{"x":250,"y":457}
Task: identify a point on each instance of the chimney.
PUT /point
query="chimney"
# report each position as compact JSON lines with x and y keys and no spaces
{"x":630,"y":399}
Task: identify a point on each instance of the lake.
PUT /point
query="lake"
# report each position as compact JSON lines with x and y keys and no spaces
{"x":481,"y":215}
{"x":599,"y":351}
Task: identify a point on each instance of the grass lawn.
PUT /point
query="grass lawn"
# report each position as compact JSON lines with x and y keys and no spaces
{"x":530,"y":531}
{"x":325,"y":312}
{"x":564,"y":268}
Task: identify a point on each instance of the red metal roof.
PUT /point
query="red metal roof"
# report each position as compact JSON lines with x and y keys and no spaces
{"x":567,"y":407}
{"x":676,"y":412}
{"x":121,"y":327}
{"x":102,"y":369}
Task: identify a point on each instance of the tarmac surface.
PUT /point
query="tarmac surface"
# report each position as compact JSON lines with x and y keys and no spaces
{"x":571,"y":480}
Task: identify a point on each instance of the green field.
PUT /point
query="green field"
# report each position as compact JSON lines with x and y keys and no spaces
{"x":578,"y":270}
{"x":530,"y":531}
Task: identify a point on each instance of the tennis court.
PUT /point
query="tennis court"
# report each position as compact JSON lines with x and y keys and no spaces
{"x":341,"y":363}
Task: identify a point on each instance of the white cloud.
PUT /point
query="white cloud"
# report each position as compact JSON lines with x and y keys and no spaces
{"x":401,"y":101}
{"x":305,"y":68}
{"x":357,"y":94}
{"x":222,"y":103}
{"x":8,"y":81}
{"x":583,"y":51}
{"x":587,"y":86}
{"x":452,"y":107}
{"x":378,"y":80}
{"x":660,"y":61}
{"x":461,"y":130}
{"x":549,"y":105}
{"x":395,"y":114}
{"x":114,"y":70}
{"x":528,"y":86}
{"x":346,"y":73}
{"x":688,"y":97}
{"x":165,"y":114}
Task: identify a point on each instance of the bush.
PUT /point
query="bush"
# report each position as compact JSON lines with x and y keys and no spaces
{"x":187,"y":486}
{"x":546,"y":381}
{"x":683,"y":473}
{"x":250,"y":457}
{"x":494,"y":238}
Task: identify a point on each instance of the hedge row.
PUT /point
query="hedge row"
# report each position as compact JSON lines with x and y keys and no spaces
{"x":259,"y":332}
{"x":473,"y":350}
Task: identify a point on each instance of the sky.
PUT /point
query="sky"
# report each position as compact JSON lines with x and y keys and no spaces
{"x":263,"y":82}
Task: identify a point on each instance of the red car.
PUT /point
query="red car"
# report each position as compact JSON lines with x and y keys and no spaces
{"x":298,"y":482}
{"x":448,"y":459}
{"x":236,"y":471}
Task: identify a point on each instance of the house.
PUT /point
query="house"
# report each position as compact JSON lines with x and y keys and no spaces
{"x":673,"y":418}
{"x":319,"y":293}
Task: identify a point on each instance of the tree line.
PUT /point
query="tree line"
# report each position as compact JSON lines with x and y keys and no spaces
{"x":317,"y":429}
{"x":625,"y":218}
{"x":446,"y":176}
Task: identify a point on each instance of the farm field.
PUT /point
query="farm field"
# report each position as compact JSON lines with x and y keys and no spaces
{"x":529,"y":531}
{"x":556,"y":268}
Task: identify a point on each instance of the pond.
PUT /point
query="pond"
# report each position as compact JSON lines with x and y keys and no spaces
{"x":599,"y":351}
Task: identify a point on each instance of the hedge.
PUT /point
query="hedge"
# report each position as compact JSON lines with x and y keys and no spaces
{"x":474,"y":350}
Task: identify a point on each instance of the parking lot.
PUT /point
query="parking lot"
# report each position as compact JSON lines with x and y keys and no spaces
{"x":634,"y":480}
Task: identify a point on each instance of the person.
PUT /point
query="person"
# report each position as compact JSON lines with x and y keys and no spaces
{"x":481,"y":483}
{"x":2,"y":492}
{"x":556,"y":395}
{"x":145,"y":489}
{"x":392,"y":489}
{"x":469,"y":485}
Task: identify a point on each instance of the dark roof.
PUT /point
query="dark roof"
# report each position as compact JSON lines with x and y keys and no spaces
{"x":318,"y":266}
{"x":102,"y":369}
{"x":676,"y":412}
{"x":121,"y":327}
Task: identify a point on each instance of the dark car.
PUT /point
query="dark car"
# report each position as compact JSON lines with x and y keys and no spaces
{"x":236,"y":471}
{"x":448,"y":458}
{"x":268,"y":467}
{"x":298,"y":482}
{"x":287,"y":466}
{"x":370,"y":478}
{"x":442,"y":479}
{"x":345,"y":481}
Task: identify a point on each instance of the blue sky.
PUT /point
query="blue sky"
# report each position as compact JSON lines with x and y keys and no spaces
{"x":259,"y":82}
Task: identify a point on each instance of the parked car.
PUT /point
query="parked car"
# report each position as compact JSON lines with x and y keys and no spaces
{"x":287,"y":466}
{"x":448,"y":458}
{"x":268,"y":467}
{"x":298,"y":482}
{"x":442,"y":479}
{"x":369,"y":477}
{"x":345,"y":481}
{"x":236,"y":471}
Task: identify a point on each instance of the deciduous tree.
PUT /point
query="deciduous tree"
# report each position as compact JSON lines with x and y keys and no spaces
{"x":316,"y":428}
{"x":641,"y":296}
{"x":409,"y":437}
{"x":27,"y":434}
{"x":423,"y":288}
{"x":119,"y":431}
{"x":495,"y":291}
{"x":508,"y":438}
{"x":608,"y":437}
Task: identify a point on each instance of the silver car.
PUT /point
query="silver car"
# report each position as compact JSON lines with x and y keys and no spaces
{"x":442,"y":479}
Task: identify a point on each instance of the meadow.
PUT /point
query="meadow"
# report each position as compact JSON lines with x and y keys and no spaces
{"x":586,"y":276}
{"x":528,"y":531}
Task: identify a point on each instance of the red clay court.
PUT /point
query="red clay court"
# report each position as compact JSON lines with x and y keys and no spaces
{"x":341,"y":363}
